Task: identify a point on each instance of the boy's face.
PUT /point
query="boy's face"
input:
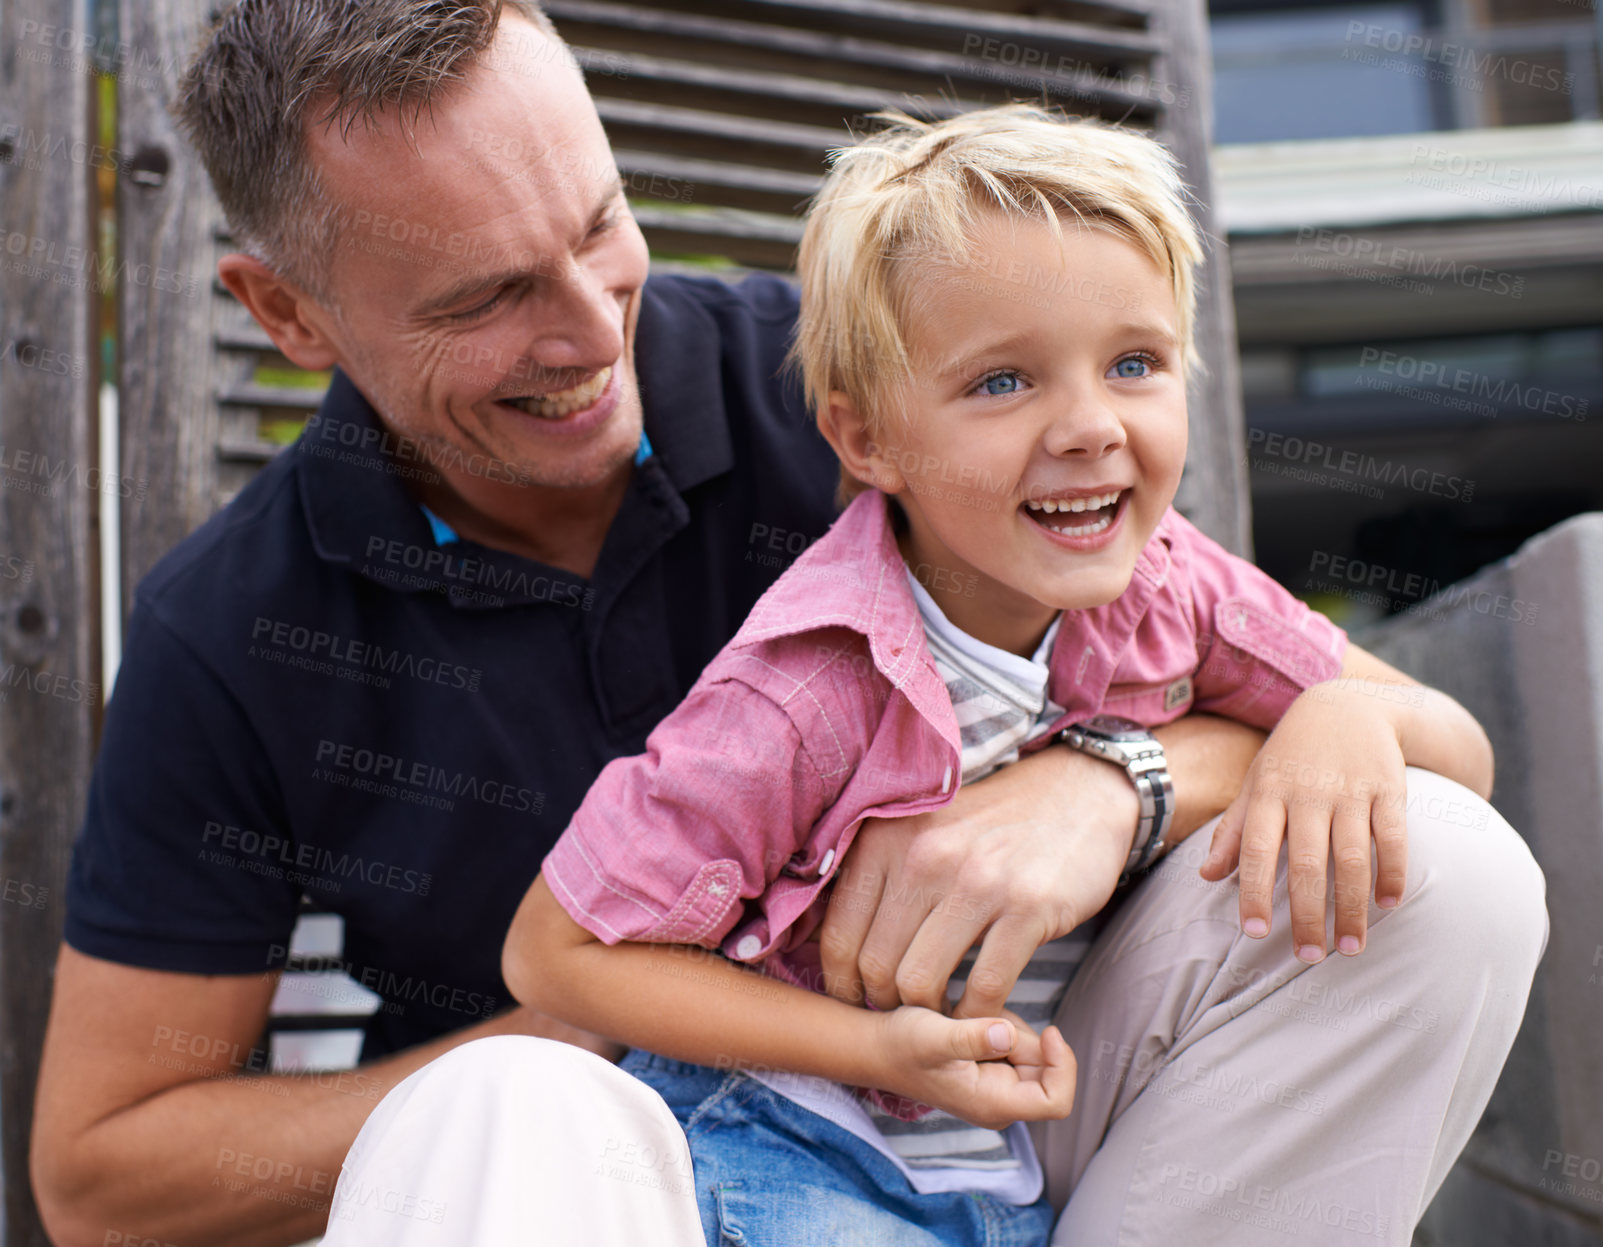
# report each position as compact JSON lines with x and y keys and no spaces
{"x":1046,"y":369}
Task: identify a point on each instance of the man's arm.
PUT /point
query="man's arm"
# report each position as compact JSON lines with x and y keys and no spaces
{"x":1019,"y":858}
{"x":146,"y":1125}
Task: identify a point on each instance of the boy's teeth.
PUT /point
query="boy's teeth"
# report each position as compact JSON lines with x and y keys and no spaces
{"x":1084,"y":530}
{"x":1075,"y":504}
{"x":564,"y":402}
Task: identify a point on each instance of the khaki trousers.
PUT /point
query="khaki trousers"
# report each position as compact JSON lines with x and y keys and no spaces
{"x":1231,"y":1094}
{"x":1228,"y":1093}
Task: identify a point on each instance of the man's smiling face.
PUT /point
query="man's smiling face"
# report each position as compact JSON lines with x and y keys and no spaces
{"x":487,"y":279}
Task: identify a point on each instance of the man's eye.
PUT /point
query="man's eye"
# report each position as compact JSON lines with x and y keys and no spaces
{"x":1000,"y":384}
{"x":482,"y":309}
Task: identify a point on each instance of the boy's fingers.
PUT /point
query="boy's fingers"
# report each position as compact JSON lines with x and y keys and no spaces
{"x":1349,"y":852}
{"x":1225,"y":846}
{"x":1260,"y":852}
{"x":1026,"y":1050}
{"x":1059,"y":1073}
{"x":977,"y":1039}
{"x":1307,"y":850}
{"x":1044,"y":1094}
{"x":1390,"y":826}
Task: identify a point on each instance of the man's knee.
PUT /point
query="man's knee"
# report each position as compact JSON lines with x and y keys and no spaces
{"x":1471,"y":877}
{"x":511,"y":1064}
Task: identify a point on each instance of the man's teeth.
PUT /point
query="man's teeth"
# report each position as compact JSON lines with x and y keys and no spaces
{"x":1095,"y":503}
{"x":564,"y":402}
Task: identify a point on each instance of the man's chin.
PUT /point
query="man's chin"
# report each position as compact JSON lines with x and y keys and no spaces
{"x":590,"y":467}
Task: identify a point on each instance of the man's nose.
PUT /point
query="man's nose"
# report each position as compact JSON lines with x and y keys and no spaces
{"x":580,"y":323}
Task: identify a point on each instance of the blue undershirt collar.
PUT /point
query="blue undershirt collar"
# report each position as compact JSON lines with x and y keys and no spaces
{"x":444,"y":534}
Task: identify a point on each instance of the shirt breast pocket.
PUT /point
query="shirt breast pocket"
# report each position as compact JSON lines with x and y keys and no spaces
{"x":1150,"y":703}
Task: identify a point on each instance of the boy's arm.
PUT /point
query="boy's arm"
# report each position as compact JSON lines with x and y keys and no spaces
{"x":1433,"y":730}
{"x":690,"y":1004}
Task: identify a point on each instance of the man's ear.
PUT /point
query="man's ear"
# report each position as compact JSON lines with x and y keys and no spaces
{"x":862,"y":455}
{"x":292,"y":320}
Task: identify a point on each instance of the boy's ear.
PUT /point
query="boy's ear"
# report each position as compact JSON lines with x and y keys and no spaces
{"x":866,"y":458}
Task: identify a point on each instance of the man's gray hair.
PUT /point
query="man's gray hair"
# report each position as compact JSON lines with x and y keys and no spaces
{"x":248,"y":96}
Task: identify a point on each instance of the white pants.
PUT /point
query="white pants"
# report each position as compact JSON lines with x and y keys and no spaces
{"x":1228,"y":1093}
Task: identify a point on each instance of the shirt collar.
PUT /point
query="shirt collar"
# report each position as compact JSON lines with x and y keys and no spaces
{"x":854,"y":577}
{"x":680,"y":366}
{"x":444,"y":534}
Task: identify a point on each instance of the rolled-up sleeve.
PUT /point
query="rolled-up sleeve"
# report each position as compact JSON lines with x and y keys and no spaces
{"x":1258,"y":646}
{"x":671,"y":845}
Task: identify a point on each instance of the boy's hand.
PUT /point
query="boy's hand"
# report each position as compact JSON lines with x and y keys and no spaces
{"x":1329,"y":778}
{"x":990,"y":1072}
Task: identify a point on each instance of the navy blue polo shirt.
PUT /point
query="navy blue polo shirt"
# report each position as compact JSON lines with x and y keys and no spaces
{"x":322,"y":693}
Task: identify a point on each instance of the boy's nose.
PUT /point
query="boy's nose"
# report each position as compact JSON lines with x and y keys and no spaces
{"x":1085,"y":427}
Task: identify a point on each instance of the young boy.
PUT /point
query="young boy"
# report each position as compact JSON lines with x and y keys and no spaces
{"x":995,"y":333}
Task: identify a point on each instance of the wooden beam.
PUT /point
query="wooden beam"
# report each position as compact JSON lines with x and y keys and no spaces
{"x":170,"y":372}
{"x":50,"y":275}
{"x":888,"y":66}
{"x":1214,"y":492}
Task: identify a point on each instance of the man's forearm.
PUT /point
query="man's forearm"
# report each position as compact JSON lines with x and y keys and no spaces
{"x":246,"y":1161}
{"x":1208,"y":759}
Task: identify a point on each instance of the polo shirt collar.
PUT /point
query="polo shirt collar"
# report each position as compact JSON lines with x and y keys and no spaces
{"x":361,"y":517}
{"x":351,"y":487}
{"x":680,"y":366}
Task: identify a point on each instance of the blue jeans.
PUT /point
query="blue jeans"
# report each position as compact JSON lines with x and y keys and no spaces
{"x":770,"y":1173}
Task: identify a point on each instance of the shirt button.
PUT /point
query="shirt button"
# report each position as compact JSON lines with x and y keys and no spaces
{"x":748,"y":947}
{"x":826,"y":861}
{"x":946,"y":782}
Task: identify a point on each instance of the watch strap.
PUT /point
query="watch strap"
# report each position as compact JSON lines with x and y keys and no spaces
{"x":1143,"y":760}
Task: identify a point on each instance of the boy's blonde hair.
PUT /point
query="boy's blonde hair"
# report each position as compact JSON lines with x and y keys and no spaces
{"x":914,"y":190}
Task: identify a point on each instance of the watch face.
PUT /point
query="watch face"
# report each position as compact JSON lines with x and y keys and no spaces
{"x":1116,"y":727}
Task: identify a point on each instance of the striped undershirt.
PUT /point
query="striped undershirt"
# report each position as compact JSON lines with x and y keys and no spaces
{"x":1000,"y":701}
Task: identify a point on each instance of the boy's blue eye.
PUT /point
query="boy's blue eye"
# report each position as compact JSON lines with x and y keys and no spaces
{"x":1000,"y":384}
{"x":1134,"y":366}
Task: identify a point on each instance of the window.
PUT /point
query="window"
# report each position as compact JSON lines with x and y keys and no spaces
{"x":1316,"y":73}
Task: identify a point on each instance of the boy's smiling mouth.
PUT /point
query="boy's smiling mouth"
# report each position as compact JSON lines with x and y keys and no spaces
{"x":1093,"y":512}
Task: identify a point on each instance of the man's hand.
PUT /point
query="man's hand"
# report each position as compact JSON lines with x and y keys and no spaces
{"x":990,"y":1072}
{"x":1006,"y":861}
{"x":1022,"y":857}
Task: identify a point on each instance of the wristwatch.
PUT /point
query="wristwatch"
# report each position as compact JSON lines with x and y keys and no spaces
{"x":1131,"y":747}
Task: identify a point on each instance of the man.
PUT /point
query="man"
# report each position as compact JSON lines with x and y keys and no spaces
{"x":386,"y":674}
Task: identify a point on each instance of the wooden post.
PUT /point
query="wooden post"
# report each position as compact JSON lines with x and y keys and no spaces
{"x":50,"y":489}
{"x":1214,"y":493}
{"x":167,"y":218}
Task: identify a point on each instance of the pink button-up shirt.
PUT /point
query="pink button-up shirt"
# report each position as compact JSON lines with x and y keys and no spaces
{"x":826,"y":709}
